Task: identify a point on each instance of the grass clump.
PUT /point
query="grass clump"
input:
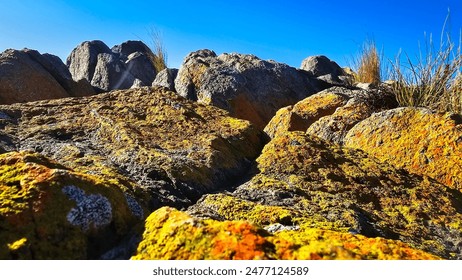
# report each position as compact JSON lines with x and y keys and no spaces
{"x":433,"y":79}
{"x":368,"y":65}
{"x":159,"y":59}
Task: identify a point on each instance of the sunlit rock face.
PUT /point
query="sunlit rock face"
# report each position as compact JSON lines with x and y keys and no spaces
{"x":121,"y":67}
{"x":27,"y":75}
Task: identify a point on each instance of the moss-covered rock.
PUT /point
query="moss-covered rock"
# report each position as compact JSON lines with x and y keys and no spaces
{"x":161,"y":145}
{"x":50,"y":212}
{"x":416,"y":139}
{"x":308,"y":183}
{"x":172,"y":234}
{"x":330,"y":114}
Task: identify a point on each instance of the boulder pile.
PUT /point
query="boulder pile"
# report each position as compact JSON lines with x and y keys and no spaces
{"x":228,"y":157}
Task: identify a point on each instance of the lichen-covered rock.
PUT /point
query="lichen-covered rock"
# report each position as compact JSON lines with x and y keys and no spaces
{"x":27,"y":75}
{"x":307,"y":182}
{"x":50,"y":212}
{"x":246,"y":86}
{"x":330,"y":114}
{"x":306,"y":112}
{"x":167,"y":148}
{"x":171,"y":234}
{"x":416,"y":139}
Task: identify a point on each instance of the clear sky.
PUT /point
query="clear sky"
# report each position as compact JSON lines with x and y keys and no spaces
{"x":286,"y":31}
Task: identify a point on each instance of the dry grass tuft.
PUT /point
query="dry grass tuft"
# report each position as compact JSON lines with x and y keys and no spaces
{"x":430,"y":82}
{"x":368,"y":65}
{"x":160,"y":54}
{"x":433,"y":80}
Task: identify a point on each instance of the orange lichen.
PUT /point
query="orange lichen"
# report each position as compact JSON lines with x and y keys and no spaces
{"x":418,"y":140}
{"x":171,"y":234}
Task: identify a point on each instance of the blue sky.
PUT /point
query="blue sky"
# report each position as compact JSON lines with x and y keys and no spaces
{"x":285,"y":31}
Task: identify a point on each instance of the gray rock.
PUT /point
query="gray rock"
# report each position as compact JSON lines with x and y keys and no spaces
{"x":137,"y":84}
{"x":326,"y":70}
{"x":140,"y":66}
{"x":83,"y":59}
{"x":320,"y":65}
{"x":127,"y":48}
{"x":55,"y":66}
{"x":166,"y":78}
{"x":116,"y":68}
{"x":27,"y":75}
{"x":110,"y":74}
{"x":246,"y":86}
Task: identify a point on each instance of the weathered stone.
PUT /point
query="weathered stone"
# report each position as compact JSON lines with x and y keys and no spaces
{"x":83,"y":59}
{"x":27,"y":75}
{"x":110,"y":74}
{"x":303,"y":114}
{"x":416,"y":139}
{"x":128,"y":48}
{"x":140,"y":66}
{"x":246,"y":86}
{"x":168,"y":149}
{"x":171,"y":234}
{"x":50,"y":212}
{"x":116,"y":68}
{"x":166,"y":78}
{"x":326,"y":70}
{"x":306,"y":182}
{"x":330,"y":114}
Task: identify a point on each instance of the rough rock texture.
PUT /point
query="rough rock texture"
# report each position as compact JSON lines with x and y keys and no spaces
{"x":416,"y":139}
{"x":117,"y":68}
{"x":325,"y":69}
{"x":27,"y":75}
{"x":171,"y":234}
{"x":330,"y":114}
{"x":50,"y":212}
{"x":246,"y":86}
{"x":166,"y":78}
{"x":308,"y":183}
{"x":167,"y":149}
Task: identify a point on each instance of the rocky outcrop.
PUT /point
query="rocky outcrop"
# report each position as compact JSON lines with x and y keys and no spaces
{"x":330,"y":114}
{"x":145,"y":173}
{"x":246,"y":86}
{"x":175,"y":235}
{"x":166,"y":78}
{"x":27,"y":75}
{"x":326,"y":70}
{"x":50,"y":212}
{"x":167,"y":149}
{"x":416,"y":139}
{"x":305,"y":182}
{"x":117,"y":68}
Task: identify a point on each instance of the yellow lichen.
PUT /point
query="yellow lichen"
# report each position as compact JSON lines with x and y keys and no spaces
{"x":171,"y":234}
{"x":34,"y":209}
{"x":415,"y":139}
